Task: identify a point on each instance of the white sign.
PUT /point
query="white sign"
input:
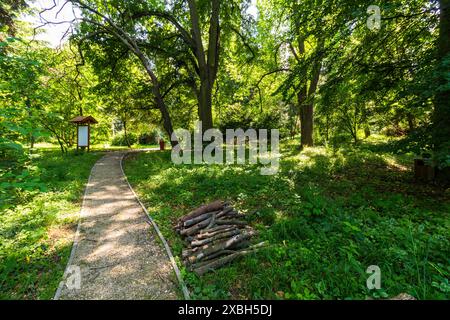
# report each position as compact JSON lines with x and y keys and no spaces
{"x":83,"y":136}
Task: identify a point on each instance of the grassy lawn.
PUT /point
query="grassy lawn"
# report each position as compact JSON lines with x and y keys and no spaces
{"x":38,"y":226}
{"x":328,"y":215}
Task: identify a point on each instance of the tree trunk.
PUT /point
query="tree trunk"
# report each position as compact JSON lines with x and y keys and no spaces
{"x":205,"y":105}
{"x":301,"y":100}
{"x":307,"y":124}
{"x":207,"y":62}
{"x":441,"y":114}
{"x":411,"y":121}
{"x":308,"y":109}
{"x":125,"y":133}
{"x":61,"y":145}
{"x":306,"y":100}
{"x":167,"y":121}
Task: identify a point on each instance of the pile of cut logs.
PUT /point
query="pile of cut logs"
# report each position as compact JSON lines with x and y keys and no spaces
{"x":215,"y":235}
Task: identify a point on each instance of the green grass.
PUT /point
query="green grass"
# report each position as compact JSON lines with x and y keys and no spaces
{"x":328,"y":215}
{"x":107,"y":146}
{"x":37,"y":229}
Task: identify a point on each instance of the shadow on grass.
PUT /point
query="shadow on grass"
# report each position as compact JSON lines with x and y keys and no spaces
{"x":328,"y":216}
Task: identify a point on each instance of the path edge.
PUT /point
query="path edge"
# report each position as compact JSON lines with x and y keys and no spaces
{"x":184,"y":289}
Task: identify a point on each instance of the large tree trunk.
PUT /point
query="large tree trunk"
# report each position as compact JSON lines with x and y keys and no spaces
{"x":441,"y":115}
{"x":167,"y":122}
{"x":306,"y":118}
{"x":307,"y":110}
{"x":307,"y":124}
{"x":305,"y":96}
{"x":207,"y":61}
{"x":205,"y":105}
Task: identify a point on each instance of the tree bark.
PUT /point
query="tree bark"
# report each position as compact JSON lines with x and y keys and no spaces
{"x":213,"y":206}
{"x":205,"y":105}
{"x":305,"y":99}
{"x":441,"y":114}
{"x":207,"y":63}
{"x":307,"y":111}
{"x":307,"y":125}
{"x":202,"y":268}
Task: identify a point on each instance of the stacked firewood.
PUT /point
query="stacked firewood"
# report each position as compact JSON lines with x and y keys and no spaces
{"x":215,"y":234}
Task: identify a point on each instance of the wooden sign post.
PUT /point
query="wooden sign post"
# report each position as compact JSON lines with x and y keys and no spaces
{"x":83,"y":131}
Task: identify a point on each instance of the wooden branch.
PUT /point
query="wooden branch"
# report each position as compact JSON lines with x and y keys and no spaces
{"x":224,"y":211}
{"x":195,"y":228}
{"x":218,"y":236}
{"x":213,"y":206}
{"x":244,"y":41}
{"x":271,"y":72}
{"x":210,"y":258}
{"x":214,"y":264}
{"x":199,"y":218}
{"x":213,"y":220}
{"x":206,"y":233}
{"x":297,"y":58}
{"x":169,"y":17}
{"x":236,"y":222}
{"x":221,"y":246}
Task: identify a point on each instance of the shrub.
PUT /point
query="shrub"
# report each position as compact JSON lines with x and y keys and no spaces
{"x":120,"y":139}
{"x":151,"y":137}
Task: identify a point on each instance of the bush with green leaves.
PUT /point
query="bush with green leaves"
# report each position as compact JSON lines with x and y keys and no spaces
{"x":151,"y":137}
{"x":121,"y":139}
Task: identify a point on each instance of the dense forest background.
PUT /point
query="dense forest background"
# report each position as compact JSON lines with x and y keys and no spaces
{"x":334,"y":71}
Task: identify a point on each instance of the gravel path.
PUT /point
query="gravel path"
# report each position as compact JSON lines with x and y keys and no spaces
{"x":118,"y":253}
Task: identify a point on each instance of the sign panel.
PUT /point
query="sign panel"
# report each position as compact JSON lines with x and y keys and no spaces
{"x":83,"y":136}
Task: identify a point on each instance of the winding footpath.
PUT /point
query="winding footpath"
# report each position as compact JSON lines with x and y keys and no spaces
{"x":117,"y":253}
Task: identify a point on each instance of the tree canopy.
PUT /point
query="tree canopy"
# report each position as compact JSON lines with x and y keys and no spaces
{"x":331,"y":71}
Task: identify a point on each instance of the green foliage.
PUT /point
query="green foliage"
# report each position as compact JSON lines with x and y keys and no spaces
{"x":152,"y":137}
{"x":328,"y":215}
{"x":120,"y":139}
{"x":37,"y":228}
